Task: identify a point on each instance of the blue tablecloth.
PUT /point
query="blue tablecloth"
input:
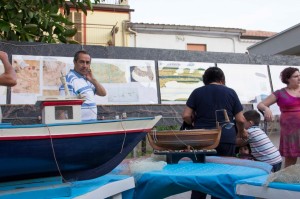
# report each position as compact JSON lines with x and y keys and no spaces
{"x":54,"y":188}
{"x":216,"y":179}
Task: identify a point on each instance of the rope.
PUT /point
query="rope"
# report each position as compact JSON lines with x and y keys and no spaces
{"x":125,"y":134}
{"x":54,"y":156}
{"x":156,"y":140}
{"x":193,"y":150}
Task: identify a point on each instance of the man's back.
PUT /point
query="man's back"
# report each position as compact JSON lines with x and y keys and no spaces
{"x":207,"y":100}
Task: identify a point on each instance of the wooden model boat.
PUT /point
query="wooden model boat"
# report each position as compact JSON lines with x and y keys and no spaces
{"x":196,"y":139}
{"x":184,"y":139}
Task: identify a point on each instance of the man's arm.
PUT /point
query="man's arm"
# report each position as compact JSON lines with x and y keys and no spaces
{"x":100,"y":90}
{"x":239,"y":142}
{"x":9,"y":77}
{"x":240,"y":120}
{"x":188,"y":115}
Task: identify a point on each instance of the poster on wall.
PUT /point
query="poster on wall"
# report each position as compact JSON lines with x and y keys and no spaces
{"x":177,"y":80}
{"x":250,"y":82}
{"x":126,"y":81}
{"x":37,"y":76}
{"x":3,"y":89}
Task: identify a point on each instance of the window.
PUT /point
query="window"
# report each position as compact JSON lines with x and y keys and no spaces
{"x":76,"y":18}
{"x":196,"y":47}
{"x":63,"y":112}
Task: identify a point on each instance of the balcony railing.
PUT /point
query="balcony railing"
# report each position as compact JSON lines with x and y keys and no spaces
{"x":114,"y":2}
{"x":94,"y":34}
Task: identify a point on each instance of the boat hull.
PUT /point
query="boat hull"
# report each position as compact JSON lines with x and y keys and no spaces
{"x":75,"y":151}
{"x":184,"y":139}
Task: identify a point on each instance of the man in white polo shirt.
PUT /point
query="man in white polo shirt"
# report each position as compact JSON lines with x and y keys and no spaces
{"x":81,"y":81}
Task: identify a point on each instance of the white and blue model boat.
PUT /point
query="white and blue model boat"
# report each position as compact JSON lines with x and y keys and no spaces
{"x":69,"y":147}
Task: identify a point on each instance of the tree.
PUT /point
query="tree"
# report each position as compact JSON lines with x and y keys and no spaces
{"x":39,"y":20}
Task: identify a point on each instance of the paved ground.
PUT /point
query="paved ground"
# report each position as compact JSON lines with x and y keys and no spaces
{"x":274,"y":136}
{"x":181,"y":196}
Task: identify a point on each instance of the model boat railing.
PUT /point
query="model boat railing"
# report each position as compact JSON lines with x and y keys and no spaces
{"x":184,"y":139}
{"x":195,"y":139}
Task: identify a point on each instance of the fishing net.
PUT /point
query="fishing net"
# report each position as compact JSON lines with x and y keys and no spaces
{"x":138,"y":166}
{"x":153,"y":163}
{"x":289,"y":174}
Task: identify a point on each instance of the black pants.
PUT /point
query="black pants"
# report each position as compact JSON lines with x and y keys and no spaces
{"x":276,"y":167}
{"x":222,"y":150}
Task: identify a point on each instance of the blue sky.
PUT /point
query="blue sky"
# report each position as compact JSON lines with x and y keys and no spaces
{"x":265,"y":15}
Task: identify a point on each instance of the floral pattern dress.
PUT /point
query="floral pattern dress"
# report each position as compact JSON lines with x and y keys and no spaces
{"x":289,"y":123}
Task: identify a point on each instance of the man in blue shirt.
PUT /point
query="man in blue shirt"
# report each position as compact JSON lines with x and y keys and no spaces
{"x":201,"y":107}
{"x":81,"y":81}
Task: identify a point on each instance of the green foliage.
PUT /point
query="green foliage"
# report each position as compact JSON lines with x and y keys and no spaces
{"x":164,"y":128}
{"x":39,"y":20}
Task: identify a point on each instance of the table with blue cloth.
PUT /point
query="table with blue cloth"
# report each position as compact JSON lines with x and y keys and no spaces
{"x":107,"y":186}
{"x":215,"y":177}
{"x":255,"y":187}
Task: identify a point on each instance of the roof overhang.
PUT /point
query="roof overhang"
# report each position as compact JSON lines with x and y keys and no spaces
{"x":181,"y":29}
{"x":286,"y":42}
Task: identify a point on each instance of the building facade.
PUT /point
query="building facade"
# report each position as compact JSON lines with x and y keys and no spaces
{"x":109,"y":24}
{"x":104,"y":26}
{"x":198,"y":38}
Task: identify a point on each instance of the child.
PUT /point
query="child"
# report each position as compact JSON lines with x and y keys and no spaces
{"x":262,"y":149}
{"x":244,"y":152}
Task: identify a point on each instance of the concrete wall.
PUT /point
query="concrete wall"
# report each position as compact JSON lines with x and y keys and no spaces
{"x":19,"y":48}
{"x":171,"y":113}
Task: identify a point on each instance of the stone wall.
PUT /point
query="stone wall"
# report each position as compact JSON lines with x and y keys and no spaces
{"x":171,"y":113}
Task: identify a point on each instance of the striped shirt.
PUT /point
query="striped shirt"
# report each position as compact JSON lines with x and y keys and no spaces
{"x":262,"y":148}
{"x":79,"y":85}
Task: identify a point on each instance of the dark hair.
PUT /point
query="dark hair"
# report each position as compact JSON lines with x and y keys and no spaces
{"x":252,"y":115}
{"x":287,"y":73}
{"x":213,"y":74}
{"x":80,"y":52}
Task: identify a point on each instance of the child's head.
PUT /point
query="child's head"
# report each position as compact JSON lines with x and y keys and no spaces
{"x":252,"y":117}
{"x":244,"y":150}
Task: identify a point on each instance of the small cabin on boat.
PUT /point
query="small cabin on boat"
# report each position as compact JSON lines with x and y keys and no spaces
{"x":60,"y":109}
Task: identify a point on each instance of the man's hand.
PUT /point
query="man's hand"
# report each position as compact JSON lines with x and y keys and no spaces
{"x":89,"y":75}
{"x":244,"y":134}
{"x":3,"y":56}
{"x":100,"y":90}
{"x":9,"y":77}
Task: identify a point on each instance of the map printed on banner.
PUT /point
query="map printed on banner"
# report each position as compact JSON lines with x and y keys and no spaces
{"x":53,"y":69}
{"x":178,"y":79}
{"x":37,"y":76}
{"x":126,"y":81}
